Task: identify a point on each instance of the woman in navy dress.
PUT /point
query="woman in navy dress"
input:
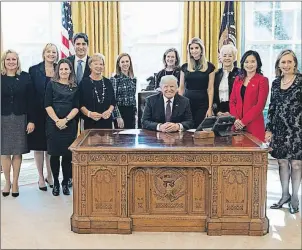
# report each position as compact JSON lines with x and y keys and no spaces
{"x":40,"y":75}
{"x":197,"y":81}
{"x":62,"y":106}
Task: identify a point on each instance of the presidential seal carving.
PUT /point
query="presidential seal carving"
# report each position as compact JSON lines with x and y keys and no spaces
{"x":169,"y":184}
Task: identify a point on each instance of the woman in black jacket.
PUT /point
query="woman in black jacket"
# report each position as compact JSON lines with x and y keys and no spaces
{"x":97,"y":99}
{"x":171,"y":61}
{"x":40,"y":75}
{"x":17,"y":118}
{"x":224,"y":79}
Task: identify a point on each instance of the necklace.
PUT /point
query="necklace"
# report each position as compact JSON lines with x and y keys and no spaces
{"x":49,"y":71}
{"x":99,"y":99}
{"x":169,"y":71}
{"x":289,"y":81}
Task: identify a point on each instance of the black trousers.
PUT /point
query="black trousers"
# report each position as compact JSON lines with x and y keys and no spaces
{"x":128,"y":115}
{"x":66,"y":168}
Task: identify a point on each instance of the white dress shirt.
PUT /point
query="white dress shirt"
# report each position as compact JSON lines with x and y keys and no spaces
{"x":166,"y":103}
{"x":224,"y":87}
{"x":83,"y":63}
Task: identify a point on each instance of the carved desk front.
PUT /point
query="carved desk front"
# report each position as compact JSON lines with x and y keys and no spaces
{"x":150,"y":181}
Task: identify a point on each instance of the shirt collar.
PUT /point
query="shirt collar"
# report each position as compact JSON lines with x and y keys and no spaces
{"x":84,"y":59}
{"x":166,"y":99}
{"x":225,"y":71}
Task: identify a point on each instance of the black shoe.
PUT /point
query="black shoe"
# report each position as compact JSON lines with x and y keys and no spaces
{"x":15,"y":194}
{"x":7,"y":193}
{"x":65,"y":189}
{"x":70,"y":183}
{"x":56,"y":190}
{"x":42,"y":188}
{"x":279,"y":205}
{"x":292,"y":209}
{"x":50,"y":185}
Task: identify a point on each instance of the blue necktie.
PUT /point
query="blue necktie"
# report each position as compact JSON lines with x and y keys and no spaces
{"x":79,"y":71}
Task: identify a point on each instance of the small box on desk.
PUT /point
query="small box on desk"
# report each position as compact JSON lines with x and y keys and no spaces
{"x":203,"y":134}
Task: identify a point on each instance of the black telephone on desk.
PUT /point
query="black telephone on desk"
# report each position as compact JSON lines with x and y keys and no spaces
{"x":220,"y":125}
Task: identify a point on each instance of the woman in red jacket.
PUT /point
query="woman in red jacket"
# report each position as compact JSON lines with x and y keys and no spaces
{"x":249,"y":94}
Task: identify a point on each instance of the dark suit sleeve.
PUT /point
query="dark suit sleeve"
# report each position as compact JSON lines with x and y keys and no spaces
{"x":188,"y":119}
{"x":147,"y":122}
{"x":48,"y":95}
{"x":30,"y":101}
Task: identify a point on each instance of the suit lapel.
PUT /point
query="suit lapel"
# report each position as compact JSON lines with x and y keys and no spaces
{"x":42,"y":68}
{"x":87,"y":69}
{"x":161,"y":108}
{"x":176,"y":106}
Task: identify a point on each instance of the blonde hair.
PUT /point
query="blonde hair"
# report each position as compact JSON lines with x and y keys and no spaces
{"x":228,"y":48}
{"x":118,"y":68}
{"x":3,"y":57}
{"x":96,"y":57}
{"x":202,"y":60}
{"x":46,"y":47}
{"x":278,"y":71}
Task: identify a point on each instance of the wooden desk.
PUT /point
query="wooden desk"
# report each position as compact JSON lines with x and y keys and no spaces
{"x":149,"y":181}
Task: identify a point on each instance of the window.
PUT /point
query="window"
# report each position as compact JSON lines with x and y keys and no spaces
{"x":160,"y":28}
{"x":271,"y":27}
{"x":27,"y":27}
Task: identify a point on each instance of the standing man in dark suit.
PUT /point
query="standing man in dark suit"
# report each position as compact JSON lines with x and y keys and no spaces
{"x":167,"y":111}
{"x":80,"y":59}
{"x":80,"y":64}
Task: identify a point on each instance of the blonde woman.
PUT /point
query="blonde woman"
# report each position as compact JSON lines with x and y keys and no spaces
{"x":124,"y":85}
{"x":41,"y":75}
{"x":197,"y":81}
{"x":284,"y":127}
{"x":17,"y":118}
{"x":224,"y":80}
{"x":97,"y":99}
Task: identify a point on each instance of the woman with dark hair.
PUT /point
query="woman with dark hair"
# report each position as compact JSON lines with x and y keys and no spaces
{"x":284,"y":127}
{"x":249,"y":95}
{"x":61,"y":104}
{"x":171,"y":61}
{"x":97,"y":99}
{"x":124,"y":85}
{"x":197,"y":81}
{"x":41,"y":75}
{"x":224,"y":80}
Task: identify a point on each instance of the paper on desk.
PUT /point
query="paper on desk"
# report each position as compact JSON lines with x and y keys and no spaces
{"x":128,"y":132}
{"x":192,"y":130}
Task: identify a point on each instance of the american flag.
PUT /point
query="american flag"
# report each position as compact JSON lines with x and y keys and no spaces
{"x":67,"y":48}
{"x":227,"y":32}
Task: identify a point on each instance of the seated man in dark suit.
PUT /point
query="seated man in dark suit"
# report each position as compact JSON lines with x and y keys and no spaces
{"x":167,"y":111}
